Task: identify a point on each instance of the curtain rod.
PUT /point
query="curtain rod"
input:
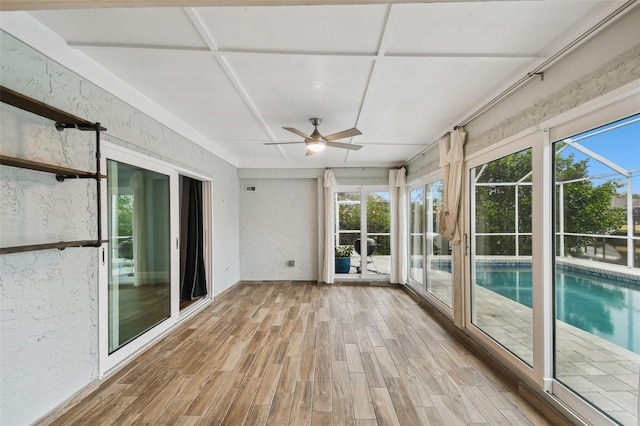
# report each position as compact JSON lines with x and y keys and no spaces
{"x":538,"y":71}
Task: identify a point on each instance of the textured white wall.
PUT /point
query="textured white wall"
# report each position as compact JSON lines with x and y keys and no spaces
{"x":279,"y":222}
{"x":48,"y":315}
{"x":49,"y":329}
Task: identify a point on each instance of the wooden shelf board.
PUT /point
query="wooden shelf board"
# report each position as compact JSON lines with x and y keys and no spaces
{"x":34,"y":106}
{"x":42,"y":167}
{"x":47,"y":246}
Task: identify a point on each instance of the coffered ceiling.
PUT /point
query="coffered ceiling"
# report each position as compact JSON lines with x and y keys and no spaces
{"x":403,"y":74}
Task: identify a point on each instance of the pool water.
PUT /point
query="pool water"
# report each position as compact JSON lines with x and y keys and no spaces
{"x":604,"y":307}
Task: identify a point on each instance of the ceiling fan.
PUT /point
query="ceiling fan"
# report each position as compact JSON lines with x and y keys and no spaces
{"x":316,"y":142}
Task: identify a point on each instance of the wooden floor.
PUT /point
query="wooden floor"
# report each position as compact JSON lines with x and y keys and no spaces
{"x":303,"y":354}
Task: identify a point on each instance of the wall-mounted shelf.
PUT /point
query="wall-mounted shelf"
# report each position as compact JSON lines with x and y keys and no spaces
{"x":60,"y":246}
{"x":60,"y":172}
{"x":62,"y":121}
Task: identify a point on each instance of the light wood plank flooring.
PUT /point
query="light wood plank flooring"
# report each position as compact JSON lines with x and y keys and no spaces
{"x":301,"y":354}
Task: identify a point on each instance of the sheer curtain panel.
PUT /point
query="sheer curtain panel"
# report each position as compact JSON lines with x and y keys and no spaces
{"x":398,"y":189}
{"x":328,"y":266}
{"x":451,"y":158}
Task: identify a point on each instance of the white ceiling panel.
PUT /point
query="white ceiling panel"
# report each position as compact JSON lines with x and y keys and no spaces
{"x":488,"y":28}
{"x":252,"y":150}
{"x":150,"y":27}
{"x":415,"y":100}
{"x":383,"y":154}
{"x":288,"y":90}
{"x":297,"y":28}
{"x":190,"y":85}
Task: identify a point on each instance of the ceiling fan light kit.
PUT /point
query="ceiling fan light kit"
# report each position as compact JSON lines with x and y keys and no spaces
{"x":315,"y":146}
{"x":316,"y":142}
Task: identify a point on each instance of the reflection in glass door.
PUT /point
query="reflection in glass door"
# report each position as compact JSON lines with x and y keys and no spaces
{"x":139,"y":275}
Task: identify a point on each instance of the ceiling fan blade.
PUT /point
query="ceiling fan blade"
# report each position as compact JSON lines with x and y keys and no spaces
{"x":309,"y":152}
{"x":297,"y":132}
{"x":343,"y":145}
{"x":281,"y":143}
{"x":343,"y":134}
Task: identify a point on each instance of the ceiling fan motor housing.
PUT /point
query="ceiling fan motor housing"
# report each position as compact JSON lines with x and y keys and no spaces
{"x":315,"y":121}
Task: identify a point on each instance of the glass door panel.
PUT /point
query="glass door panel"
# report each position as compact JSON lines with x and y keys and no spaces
{"x":438,"y":248}
{"x":597,"y":266}
{"x":501,"y":301}
{"x":139,"y":276}
{"x":378,"y":235}
{"x":347,"y":231}
{"x":416,"y":237}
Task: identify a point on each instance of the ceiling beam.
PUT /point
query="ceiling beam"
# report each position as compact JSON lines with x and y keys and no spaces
{"x":196,"y":20}
{"x":380,"y":56}
{"x":7,"y":5}
{"x":375,"y":70}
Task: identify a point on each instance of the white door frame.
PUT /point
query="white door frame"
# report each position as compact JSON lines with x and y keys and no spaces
{"x":363,"y":190}
{"x":109,"y":362}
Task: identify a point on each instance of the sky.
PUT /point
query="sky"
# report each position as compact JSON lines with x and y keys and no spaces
{"x":620,"y":145}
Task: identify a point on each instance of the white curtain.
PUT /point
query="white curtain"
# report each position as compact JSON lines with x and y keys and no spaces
{"x":328,"y":265}
{"x":451,"y":158}
{"x":398,"y":184}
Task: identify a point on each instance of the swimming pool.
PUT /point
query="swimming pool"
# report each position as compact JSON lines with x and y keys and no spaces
{"x":607,"y":308}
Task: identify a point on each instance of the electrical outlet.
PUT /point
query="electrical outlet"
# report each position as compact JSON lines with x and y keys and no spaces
{"x":292,"y":263}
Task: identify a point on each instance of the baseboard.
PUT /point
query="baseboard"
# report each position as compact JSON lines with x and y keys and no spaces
{"x":68,"y":403}
{"x":228,"y":291}
{"x":546,"y":404}
{"x":276,"y":282}
{"x":345,"y":283}
{"x":349,"y":283}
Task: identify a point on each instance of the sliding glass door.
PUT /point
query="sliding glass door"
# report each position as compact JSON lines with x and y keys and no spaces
{"x":501,"y":274}
{"x":552,"y":259}
{"x":159,"y":237}
{"x":139,"y":276}
{"x":597,"y":266}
